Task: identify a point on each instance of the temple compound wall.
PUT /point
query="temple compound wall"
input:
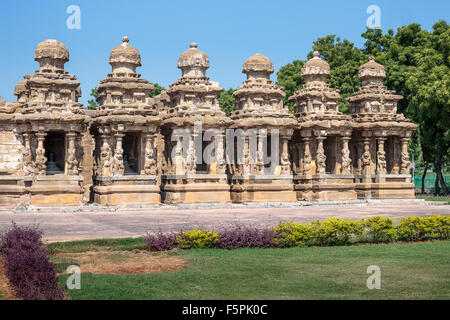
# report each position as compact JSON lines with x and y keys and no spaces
{"x":180,"y":147}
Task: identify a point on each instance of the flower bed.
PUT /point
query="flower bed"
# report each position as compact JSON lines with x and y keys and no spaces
{"x":327,"y":232}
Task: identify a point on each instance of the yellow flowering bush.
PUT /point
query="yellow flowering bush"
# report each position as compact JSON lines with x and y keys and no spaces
{"x":335,"y":231}
{"x":415,"y":228}
{"x":291,"y":234}
{"x":440,"y":226}
{"x":379,"y":229}
{"x":197,"y":238}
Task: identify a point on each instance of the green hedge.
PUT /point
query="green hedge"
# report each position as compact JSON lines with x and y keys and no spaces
{"x":332,"y":231}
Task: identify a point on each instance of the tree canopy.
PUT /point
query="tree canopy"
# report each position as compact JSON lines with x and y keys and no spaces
{"x":226,"y":101}
{"x":417,"y":67}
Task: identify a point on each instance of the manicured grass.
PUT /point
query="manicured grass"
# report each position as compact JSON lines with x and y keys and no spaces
{"x":433,"y":198}
{"x":408,"y":271}
{"x":125,"y":244}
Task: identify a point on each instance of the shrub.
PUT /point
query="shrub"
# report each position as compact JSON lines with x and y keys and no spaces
{"x":414,"y":228}
{"x":290,"y":234}
{"x":379,"y":229}
{"x":32,"y":275}
{"x":334,"y":231}
{"x":440,"y":226}
{"x":20,"y":238}
{"x":245,"y":237}
{"x":198,"y":238}
{"x":161,"y":241}
{"x":27,"y":266}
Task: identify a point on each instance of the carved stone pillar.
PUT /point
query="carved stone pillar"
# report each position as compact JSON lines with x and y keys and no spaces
{"x":179,"y":160}
{"x":285,"y":162}
{"x":191,"y":167}
{"x":405,"y":162}
{"x":28,"y":164}
{"x":220,"y":154}
{"x":307,"y":158}
{"x":395,"y":155}
{"x":118,"y":167}
{"x":381,"y":156}
{"x":321,"y":158}
{"x":41,"y":160}
{"x":262,"y":135}
{"x":150,"y":155}
{"x":71,"y":168}
{"x":106,"y":159}
{"x":246,"y":160}
{"x":345,"y":153}
{"x":300,"y":160}
{"x":366,"y":160}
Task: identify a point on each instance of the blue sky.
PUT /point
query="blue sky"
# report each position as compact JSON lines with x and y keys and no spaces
{"x":228,"y":31}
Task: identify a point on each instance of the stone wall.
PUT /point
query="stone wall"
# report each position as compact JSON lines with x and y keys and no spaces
{"x":10,"y":150}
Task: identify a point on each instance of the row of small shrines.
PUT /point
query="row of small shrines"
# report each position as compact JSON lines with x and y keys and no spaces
{"x":53,"y":151}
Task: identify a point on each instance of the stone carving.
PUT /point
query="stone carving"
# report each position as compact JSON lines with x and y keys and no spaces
{"x":381,"y":162}
{"x":366,"y":160}
{"x":315,"y":97}
{"x":345,"y":153}
{"x":221,"y":164}
{"x":118,"y":167}
{"x":405,"y":162}
{"x":106,"y":160}
{"x":71,"y":159}
{"x":29,"y":166}
{"x":132,"y":161}
{"x":150,"y":166}
{"x":381,"y":157}
{"x":321,"y":158}
{"x":41,"y":160}
{"x":307,"y":157}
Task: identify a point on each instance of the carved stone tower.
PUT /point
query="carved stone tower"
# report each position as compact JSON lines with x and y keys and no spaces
{"x":379,"y":144}
{"x":194,"y":133}
{"x":126,"y":127}
{"x":321,"y":141}
{"x":261,"y":166}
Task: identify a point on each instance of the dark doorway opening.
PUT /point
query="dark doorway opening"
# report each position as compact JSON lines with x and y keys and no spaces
{"x":131,"y":151}
{"x":55,"y":152}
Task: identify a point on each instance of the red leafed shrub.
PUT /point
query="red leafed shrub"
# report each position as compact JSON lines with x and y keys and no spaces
{"x":240,"y":236}
{"x":160,"y":241}
{"x":27,"y":266}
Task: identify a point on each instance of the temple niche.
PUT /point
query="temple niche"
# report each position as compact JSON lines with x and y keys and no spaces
{"x":261,"y":166}
{"x":50,"y":125}
{"x":379,"y":145}
{"x":125,"y":127}
{"x":320,"y":145}
{"x":194,"y":164}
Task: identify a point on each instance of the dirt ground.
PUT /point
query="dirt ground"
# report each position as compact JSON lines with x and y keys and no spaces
{"x":121,"y":262}
{"x":6,"y":291}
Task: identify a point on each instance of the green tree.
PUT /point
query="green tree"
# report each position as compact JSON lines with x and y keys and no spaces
{"x":226,"y":101}
{"x":156,"y":90}
{"x":344,"y":60}
{"x":290,"y":77}
{"x":417,"y":65}
{"x":93,"y":103}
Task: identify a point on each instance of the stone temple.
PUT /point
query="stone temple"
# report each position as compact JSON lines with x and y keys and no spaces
{"x":180,"y":147}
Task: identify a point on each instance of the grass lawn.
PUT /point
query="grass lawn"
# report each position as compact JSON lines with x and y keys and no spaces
{"x":434,"y":198}
{"x":408,"y":271}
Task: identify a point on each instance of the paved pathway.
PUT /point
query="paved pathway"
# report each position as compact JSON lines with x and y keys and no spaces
{"x":64,"y":226}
